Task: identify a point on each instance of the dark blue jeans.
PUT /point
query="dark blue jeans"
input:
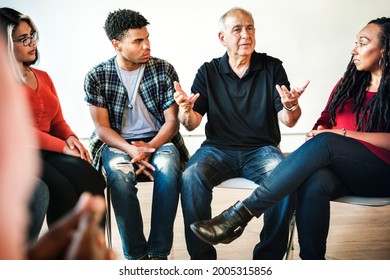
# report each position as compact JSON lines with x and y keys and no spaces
{"x":38,"y":206}
{"x":210,"y":166}
{"x":122,"y":180}
{"x":322,"y":169}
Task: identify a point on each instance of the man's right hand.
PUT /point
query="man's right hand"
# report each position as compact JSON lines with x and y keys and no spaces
{"x":142,"y":158}
{"x":185,"y":102}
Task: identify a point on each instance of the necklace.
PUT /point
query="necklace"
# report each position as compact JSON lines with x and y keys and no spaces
{"x":128,"y":82}
{"x":25,"y":72}
{"x":134,"y":88}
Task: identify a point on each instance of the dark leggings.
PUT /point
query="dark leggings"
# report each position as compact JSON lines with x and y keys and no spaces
{"x":67,"y":178}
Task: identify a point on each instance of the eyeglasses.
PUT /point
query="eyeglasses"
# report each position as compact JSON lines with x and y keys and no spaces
{"x":27,"y":40}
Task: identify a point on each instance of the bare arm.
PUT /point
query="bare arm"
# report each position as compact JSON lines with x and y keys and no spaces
{"x":187,"y":116}
{"x":165,"y":134}
{"x":291,"y":112}
{"x":112,"y":138}
{"x":289,"y":118}
{"x":379,"y":139}
{"x":168,"y":129}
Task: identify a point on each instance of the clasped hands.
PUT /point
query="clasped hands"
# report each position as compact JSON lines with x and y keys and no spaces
{"x":140,"y":153}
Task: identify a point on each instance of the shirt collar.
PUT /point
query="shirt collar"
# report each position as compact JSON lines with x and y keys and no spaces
{"x":255,"y":64}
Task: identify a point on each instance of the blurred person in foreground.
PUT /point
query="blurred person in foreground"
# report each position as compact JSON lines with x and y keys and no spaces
{"x":78,"y":234}
{"x":66,"y":163}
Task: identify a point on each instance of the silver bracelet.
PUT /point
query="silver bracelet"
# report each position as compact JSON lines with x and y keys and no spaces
{"x":292,"y":108}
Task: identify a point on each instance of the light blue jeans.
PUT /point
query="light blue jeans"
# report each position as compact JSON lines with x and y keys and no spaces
{"x":210,"y":166}
{"x":122,"y":180}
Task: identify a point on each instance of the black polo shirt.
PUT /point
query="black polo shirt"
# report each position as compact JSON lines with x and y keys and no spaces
{"x":241,"y":113}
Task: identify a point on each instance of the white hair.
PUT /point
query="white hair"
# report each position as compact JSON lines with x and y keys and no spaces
{"x":223,"y":17}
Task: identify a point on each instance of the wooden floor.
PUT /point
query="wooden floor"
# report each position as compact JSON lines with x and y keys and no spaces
{"x":356,"y":232}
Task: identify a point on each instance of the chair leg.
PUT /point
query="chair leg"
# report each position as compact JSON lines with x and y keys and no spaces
{"x":108,"y":217}
{"x":290,"y":244}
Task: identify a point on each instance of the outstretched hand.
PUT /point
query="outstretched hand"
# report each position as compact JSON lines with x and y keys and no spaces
{"x":185,"y":102}
{"x":289,"y":98}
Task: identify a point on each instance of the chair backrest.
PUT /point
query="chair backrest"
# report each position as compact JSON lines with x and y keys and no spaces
{"x":238,"y":183}
{"x":242,"y":183}
{"x":364,"y":201}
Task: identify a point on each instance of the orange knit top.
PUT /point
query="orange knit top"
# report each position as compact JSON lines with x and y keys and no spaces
{"x":48,"y":119}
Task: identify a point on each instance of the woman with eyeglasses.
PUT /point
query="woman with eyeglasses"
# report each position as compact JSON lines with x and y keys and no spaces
{"x":67,"y":169}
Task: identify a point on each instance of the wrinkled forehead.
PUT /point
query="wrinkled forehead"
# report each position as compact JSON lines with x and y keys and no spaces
{"x":238,"y":17}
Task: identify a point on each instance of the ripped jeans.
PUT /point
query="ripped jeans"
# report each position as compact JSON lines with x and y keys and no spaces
{"x":122,"y":180}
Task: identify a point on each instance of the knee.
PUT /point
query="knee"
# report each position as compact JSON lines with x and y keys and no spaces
{"x":120,"y":170}
{"x":326,"y":139}
{"x":166,"y":160}
{"x":193,"y":172}
{"x":270,"y":163}
{"x":317,"y":185}
{"x":41,"y":193}
{"x":270,"y":158}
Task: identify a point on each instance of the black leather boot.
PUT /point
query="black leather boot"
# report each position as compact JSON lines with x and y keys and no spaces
{"x":225,"y":227}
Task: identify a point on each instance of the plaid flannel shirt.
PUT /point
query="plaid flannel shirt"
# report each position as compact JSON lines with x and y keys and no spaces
{"x":103,"y":88}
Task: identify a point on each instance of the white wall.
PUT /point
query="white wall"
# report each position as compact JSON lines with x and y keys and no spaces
{"x":312,"y":38}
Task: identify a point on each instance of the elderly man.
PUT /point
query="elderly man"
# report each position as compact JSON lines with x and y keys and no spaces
{"x":244,"y":94}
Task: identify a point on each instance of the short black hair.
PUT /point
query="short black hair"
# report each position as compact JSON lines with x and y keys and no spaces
{"x":118,"y":22}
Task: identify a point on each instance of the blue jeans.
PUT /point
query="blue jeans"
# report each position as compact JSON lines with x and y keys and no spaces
{"x":324,"y":168}
{"x":210,"y":166}
{"x":122,"y":180}
{"x":38,"y":207}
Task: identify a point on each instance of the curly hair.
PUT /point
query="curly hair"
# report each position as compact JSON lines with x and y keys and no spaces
{"x":118,"y":22}
{"x":375,"y":116}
